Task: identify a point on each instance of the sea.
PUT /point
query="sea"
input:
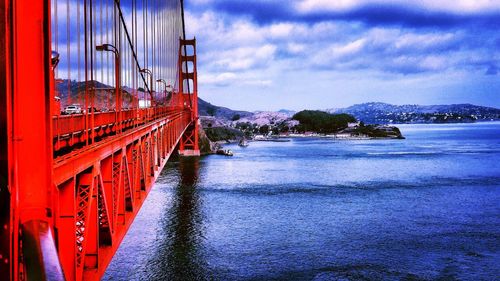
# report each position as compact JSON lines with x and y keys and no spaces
{"x":423,"y":208}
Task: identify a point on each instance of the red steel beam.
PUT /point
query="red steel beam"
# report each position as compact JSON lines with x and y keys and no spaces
{"x":30,"y":141}
{"x":6,"y":237}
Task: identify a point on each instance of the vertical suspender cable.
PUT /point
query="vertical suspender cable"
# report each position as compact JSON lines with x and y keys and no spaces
{"x":92,"y":67}
{"x":114,"y":35}
{"x":153,"y":49}
{"x":144,"y":40}
{"x":146,"y":46}
{"x":85,"y":8}
{"x":107,"y":55}
{"x":134,"y":39}
{"x":56,"y":33}
{"x":119,"y":84}
{"x":185,"y":50}
{"x":162,"y":42}
{"x":101,"y":67}
{"x":68,"y":50}
{"x":78,"y":34}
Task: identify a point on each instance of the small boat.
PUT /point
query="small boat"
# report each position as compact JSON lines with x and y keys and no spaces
{"x":243,"y":143}
{"x":227,"y":152}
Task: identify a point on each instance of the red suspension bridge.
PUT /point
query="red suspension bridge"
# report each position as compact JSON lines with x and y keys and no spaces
{"x":95,"y":96}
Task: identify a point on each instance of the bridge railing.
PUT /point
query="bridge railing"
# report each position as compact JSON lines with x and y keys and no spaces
{"x":79,"y":130}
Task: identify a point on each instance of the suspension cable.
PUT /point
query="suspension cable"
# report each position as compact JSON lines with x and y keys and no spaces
{"x":117,"y":3}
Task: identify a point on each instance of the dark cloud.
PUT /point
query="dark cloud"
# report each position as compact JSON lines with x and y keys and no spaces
{"x":265,"y":12}
{"x":408,"y":17}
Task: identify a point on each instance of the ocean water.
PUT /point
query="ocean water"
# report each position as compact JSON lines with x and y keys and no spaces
{"x":424,"y":208}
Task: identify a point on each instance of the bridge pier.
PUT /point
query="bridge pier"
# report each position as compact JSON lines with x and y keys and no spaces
{"x":188,"y":146}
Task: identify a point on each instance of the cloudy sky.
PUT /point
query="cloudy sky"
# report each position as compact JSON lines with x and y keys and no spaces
{"x":317,"y":54}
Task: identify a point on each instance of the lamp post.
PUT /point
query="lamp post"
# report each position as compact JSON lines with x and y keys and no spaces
{"x":164,"y":89}
{"x":147,"y":71}
{"x":170,"y":91}
{"x":118,"y":96}
{"x":56,"y":102}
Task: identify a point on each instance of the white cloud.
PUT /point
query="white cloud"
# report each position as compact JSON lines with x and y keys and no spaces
{"x":413,"y":40}
{"x":258,"y":82}
{"x":348,"y":49}
{"x":243,"y":58}
{"x":224,"y":78}
{"x":295,"y":48}
{"x":281,"y":30}
{"x":318,"y":5}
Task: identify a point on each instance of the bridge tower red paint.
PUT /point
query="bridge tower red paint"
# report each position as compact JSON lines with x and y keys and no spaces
{"x":188,"y":88}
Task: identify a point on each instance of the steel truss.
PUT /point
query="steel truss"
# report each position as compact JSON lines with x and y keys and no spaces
{"x":97,"y":201}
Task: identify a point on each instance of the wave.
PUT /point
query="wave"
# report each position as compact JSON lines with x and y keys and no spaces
{"x":375,"y":154}
{"x":404,"y":153}
{"x":353,"y":187}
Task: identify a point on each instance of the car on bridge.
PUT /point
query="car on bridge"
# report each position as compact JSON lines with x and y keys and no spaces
{"x":73,"y":109}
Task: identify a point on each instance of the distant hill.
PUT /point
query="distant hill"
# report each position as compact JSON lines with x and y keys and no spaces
{"x":287,"y":112}
{"x":384,"y":113}
{"x":104,"y":94}
{"x":208,"y":109}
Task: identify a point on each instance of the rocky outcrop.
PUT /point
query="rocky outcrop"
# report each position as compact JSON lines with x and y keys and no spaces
{"x":374,"y":131}
{"x":206,"y":145}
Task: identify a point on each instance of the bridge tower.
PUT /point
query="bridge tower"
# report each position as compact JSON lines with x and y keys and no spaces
{"x":28,"y":248}
{"x":188,"y":89}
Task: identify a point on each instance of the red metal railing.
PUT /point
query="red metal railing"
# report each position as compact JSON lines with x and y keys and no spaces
{"x":83,"y":129}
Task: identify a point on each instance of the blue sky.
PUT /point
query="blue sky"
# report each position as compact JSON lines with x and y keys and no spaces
{"x":318,"y":54}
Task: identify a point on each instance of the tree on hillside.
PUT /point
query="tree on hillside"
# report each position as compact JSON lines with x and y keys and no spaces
{"x":211,"y":110}
{"x":264,"y":129}
{"x":322,"y":122}
{"x":236,"y":117}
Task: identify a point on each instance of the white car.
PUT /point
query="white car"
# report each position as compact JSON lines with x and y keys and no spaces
{"x":73,"y":109}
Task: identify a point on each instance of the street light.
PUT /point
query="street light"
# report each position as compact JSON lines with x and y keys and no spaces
{"x":147,"y":71}
{"x":54,"y":59}
{"x":164,"y":89}
{"x":107,"y":47}
{"x":111,"y":48}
